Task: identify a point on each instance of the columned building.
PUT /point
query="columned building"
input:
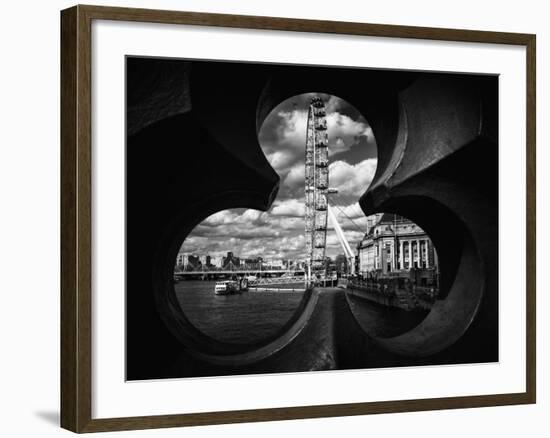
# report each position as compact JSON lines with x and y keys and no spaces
{"x":394,"y":243}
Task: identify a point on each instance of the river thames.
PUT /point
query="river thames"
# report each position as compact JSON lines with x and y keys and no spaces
{"x":250,"y":317}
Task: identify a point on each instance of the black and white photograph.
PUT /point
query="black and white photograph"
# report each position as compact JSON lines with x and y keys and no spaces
{"x":275,"y":219}
{"x":292,"y":218}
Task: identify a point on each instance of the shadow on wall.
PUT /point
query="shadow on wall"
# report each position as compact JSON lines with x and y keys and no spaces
{"x":50,"y":417}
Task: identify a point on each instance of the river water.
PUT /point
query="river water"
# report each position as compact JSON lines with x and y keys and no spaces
{"x":254,"y":316}
{"x":241,"y":318}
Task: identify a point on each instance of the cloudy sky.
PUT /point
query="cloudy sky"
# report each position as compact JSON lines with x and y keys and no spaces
{"x":279,"y":232}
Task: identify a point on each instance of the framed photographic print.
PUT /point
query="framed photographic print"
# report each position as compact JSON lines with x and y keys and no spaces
{"x":267,"y":218}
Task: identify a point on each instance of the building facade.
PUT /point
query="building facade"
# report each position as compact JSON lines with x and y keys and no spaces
{"x":273,"y":264}
{"x":187,"y":261}
{"x":394,"y":244}
{"x":181,"y":259}
{"x":216,"y":261}
{"x":231,"y":261}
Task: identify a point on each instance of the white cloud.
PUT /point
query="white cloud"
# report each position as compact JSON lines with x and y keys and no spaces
{"x":280,"y":160}
{"x":334,"y":103}
{"x":339,"y":145}
{"x":289,"y":223}
{"x":220,"y":218}
{"x":255,"y":251}
{"x":250,"y":216}
{"x":289,"y":207}
{"x":343,"y":132}
{"x":352,"y":179}
{"x":295,"y":177}
{"x":294,"y":127}
{"x":358,"y":223}
{"x":352,"y":211}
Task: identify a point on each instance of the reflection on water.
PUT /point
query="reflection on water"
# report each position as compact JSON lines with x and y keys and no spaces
{"x":384,"y":321}
{"x":241,"y":319}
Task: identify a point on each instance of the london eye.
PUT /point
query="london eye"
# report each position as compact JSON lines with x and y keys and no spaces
{"x":316,"y":187}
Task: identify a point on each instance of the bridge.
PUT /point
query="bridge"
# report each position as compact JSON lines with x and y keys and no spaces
{"x":240,"y":272}
{"x":263,"y":277}
{"x":264,"y":280}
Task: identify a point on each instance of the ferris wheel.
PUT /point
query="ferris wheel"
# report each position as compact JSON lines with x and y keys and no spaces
{"x":316,"y":186}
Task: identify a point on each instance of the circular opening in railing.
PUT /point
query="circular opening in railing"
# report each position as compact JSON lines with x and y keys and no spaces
{"x":396,"y":281}
{"x":241,"y":275}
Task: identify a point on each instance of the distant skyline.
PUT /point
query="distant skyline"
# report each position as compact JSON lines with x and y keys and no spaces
{"x":279,"y":232}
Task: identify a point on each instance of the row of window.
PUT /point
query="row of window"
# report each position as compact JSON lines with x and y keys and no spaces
{"x":405,"y":243}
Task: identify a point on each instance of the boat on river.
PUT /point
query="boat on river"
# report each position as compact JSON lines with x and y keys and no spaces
{"x":231,"y":287}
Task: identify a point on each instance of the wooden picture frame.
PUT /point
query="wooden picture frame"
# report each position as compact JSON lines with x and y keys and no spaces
{"x":76,"y":218}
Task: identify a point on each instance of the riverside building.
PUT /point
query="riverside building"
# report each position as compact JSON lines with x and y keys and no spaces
{"x":394,"y":246}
